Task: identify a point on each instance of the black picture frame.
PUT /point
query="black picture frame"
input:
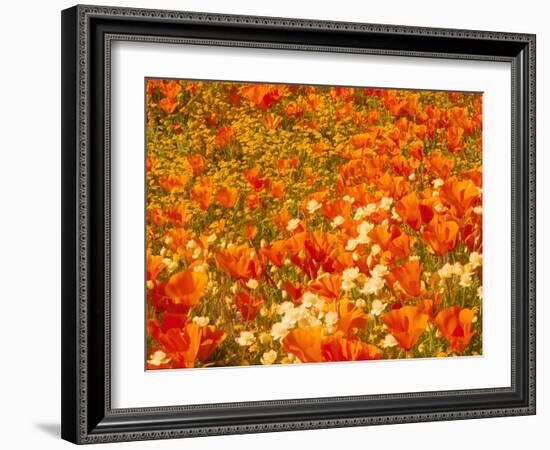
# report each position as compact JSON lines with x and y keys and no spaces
{"x":87,"y":33}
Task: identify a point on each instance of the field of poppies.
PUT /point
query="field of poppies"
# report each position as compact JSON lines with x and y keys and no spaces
{"x":300,"y":224}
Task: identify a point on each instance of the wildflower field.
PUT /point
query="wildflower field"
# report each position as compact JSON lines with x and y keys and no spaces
{"x":300,"y":224}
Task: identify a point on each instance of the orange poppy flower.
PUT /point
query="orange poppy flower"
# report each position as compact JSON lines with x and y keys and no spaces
{"x":344,"y":93}
{"x":182,"y":345}
{"x":153,"y":328}
{"x":340,"y":260}
{"x":426,"y":206}
{"x":409,"y":276}
{"x":293,"y":109}
{"x":313,"y":102}
{"x":362,"y":140}
{"x":416,"y":150}
{"x":419,"y":131}
{"x":440,"y":235}
{"x":409,"y":210}
{"x":295,"y":291}
{"x":440,"y":165}
{"x":472,"y":237}
{"x":328,"y":286}
{"x":406,"y":324}
{"x":211,"y":119}
{"x":310,"y":175}
{"x":304,"y":343}
{"x":197,"y":163}
{"x":234,"y":96}
{"x":152,"y":84}
{"x":381,"y":235}
{"x":455,"y":323}
{"x":455,"y":141}
{"x":337,"y":348}
{"x":168,"y":104}
{"x":170,"y":88}
{"x":319,"y":245}
{"x":202,"y":193}
{"x":177,"y":214}
{"x":401,"y":246}
{"x":211,"y":339}
{"x":248,"y":305}
{"x":272,"y":121}
{"x":403,"y":166}
{"x":276,"y":252}
{"x":252,"y":201}
{"x":253,"y":177}
{"x":350,"y":317}
{"x":278,"y":190}
{"x":403,"y":124}
{"x":371,"y":118}
{"x":250,"y":231}
{"x":240,"y":261}
{"x":336,"y":208}
{"x":393,"y":186}
{"x":431,"y":305}
{"x":192,"y":87}
{"x":426,"y":306}
{"x":177,"y":238}
{"x":344,"y":111}
{"x":295,"y":243}
{"x":172,"y":183}
{"x":360,"y":192}
{"x":151,"y":163}
{"x":154,"y":266}
{"x":187,"y":287}
{"x":476,"y":176}
{"x":173,"y":320}
{"x":281,"y":219}
{"x":459,"y":195}
{"x":263,"y":96}
{"x":410,"y":105}
{"x":287,"y":164}
{"x":224,"y":136}
{"x":227,"y":197}
{"x":319,"y":196}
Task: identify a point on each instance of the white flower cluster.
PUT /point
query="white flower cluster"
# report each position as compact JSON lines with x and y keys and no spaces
{"x":269,"y":357}
{"x":464,"y":272}
{"x":308,"y":314}
{"x":351,"y":278}
{"x":363,"y":229}
{"x":377,"y":307}
{"x":246,"y":338}
{"x":365,"y":211}
{"x":158,"y":358}
{"x":337,"y":221}
{"x":201,"y":321}
{"x":312,"y":206}
{"x":389,"y":341}
{"x":376,"y":281}
{"x":292,"y":224}
{"x":348,"y":278}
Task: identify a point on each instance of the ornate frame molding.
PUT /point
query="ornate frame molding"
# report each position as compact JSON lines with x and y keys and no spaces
{"x":84,"y":421}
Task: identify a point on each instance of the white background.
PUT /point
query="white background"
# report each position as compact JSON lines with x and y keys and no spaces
{"x":134,"y":387}
{"x":30,"y":229}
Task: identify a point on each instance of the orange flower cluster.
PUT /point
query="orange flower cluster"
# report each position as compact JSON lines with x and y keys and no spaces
{"x":304,"y":224}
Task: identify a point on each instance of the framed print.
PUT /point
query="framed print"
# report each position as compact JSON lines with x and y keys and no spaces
{"x":282,"y":224}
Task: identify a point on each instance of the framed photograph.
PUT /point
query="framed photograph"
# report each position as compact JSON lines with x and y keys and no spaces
{"x":281,"y":224}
